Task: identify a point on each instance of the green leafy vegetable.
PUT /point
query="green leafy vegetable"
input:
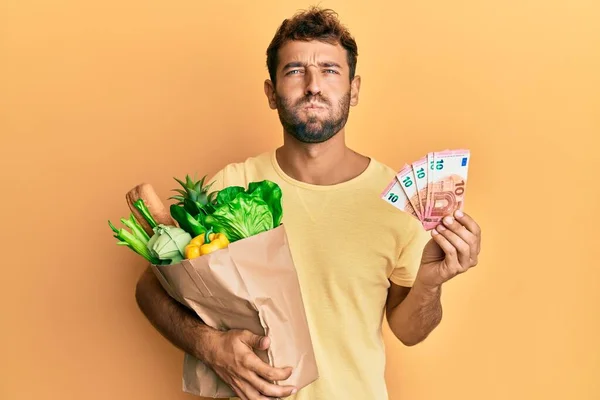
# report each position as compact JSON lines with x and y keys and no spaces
{"x":228,"y":194}
{"x":136,"y":240}
{"x":143,"y":209}
{"x":241,"y":217}
{"x":270,"y":192}
{"x":192,"y":207}
{"x":192,"y":225}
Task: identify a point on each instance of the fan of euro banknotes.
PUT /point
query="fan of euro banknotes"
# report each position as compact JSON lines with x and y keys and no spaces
{"x":432,"y":187}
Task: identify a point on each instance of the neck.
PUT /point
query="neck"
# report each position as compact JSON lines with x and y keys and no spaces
{"x":326,"y":163}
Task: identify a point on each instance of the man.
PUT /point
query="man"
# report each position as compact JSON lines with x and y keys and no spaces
{"x":357,"y":258}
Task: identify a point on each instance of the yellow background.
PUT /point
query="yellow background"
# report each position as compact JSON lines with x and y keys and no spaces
{"x":96,"y":97}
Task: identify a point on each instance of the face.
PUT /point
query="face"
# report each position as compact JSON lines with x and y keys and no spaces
{"x":313,"y":92}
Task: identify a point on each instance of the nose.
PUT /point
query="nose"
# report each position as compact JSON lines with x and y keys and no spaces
{"x":313,"y":84}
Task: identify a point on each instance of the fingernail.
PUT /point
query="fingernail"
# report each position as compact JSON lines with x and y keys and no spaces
{"x":434,"y":232}
{"x":448,"y":220}
{"x":458,"y":214}
{"x":294,"y":390}
{"x":441,"y":228}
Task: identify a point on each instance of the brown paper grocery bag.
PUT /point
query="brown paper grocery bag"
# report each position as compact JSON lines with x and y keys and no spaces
{"x":250,"y":285}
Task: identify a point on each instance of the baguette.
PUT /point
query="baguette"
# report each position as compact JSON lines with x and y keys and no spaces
{"x":157,"y":209}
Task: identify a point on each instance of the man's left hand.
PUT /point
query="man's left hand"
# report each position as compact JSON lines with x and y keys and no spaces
{"x":454,"y":249}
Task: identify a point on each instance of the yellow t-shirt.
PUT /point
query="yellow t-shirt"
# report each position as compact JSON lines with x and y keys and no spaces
{"x":346,"y":243}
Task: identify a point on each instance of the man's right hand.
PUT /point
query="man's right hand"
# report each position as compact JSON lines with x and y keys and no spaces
{"x":232,"y":357}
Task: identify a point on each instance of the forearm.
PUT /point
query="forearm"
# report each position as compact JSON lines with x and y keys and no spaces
{"x":178,"y":324}
{"x":417,"y":316}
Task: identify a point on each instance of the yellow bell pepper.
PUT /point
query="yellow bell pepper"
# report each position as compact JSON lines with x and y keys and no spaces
{"x":205,"y":243}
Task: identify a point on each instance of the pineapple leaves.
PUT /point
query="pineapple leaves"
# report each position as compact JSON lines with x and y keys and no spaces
{"x":193,"y":195}
{"x":181,"y":182}
{"x":181,"y":192}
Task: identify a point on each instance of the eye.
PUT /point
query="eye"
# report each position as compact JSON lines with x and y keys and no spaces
{"x":292,"y":72}
{"x":331,"y":71}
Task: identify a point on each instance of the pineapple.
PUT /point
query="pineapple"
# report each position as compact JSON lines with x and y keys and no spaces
{"x":195,"y":197}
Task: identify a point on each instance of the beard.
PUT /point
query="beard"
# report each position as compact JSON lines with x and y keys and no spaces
{"x":316,"y":128}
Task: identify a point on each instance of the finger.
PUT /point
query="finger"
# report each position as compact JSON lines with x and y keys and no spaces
{"x":255,"y":341}
{"x":466,"y":235}
{"x":238,"y":391}
{"x":264,"y":343}
{"x":470,"y":224}
{"x":449,"y":250}
{"x":272,"y":374}
{"x":252,"y":393}
{"x":267,"y":388}
{"x":461,"y":248}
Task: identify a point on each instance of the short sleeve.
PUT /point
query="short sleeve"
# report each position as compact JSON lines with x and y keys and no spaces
{"x":217,"y":181}
{"x":232,"y":174}
{"x":409,"y":260}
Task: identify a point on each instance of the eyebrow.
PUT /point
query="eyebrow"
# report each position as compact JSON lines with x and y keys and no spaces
{"x":326,"y":64}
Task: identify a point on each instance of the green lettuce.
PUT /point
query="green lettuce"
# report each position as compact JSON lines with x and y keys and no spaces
{"x":270,"y":192}
{"x":228,"y":194}
{"x":243,"y":213}
{"x":241,"y":217}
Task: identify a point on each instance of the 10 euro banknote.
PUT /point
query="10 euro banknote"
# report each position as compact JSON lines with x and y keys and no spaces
{"x":431,"y":187}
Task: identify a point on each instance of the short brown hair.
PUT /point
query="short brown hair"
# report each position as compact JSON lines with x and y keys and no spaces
{"x":312,"y":24}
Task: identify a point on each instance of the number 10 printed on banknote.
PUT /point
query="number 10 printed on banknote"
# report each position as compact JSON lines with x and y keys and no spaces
{"x":432,"y":187}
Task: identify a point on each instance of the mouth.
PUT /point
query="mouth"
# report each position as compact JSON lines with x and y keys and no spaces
{"x":313,"y":107}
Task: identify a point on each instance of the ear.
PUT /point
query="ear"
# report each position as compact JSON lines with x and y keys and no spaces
{"x":270,"y":93}
{"x":354,"y":89}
